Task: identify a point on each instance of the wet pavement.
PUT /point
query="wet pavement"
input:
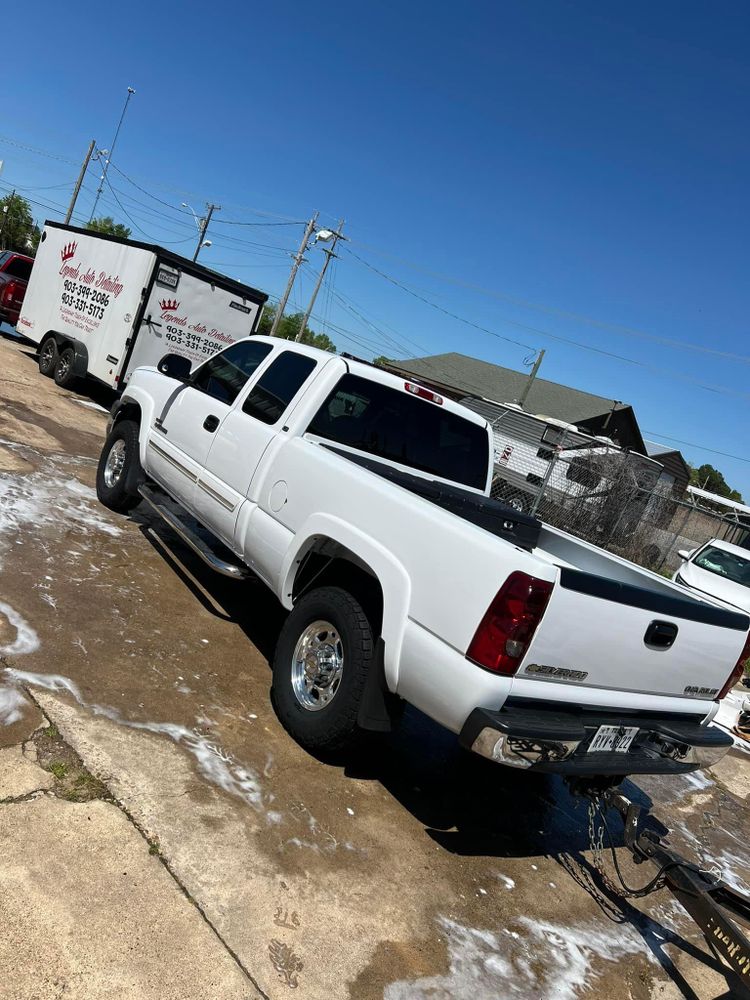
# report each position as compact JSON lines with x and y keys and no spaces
{"x":410,"y":870}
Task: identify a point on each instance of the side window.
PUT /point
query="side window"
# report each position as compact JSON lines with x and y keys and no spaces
{"x":278,"y":386}
{"x":224,"y":375}
{"x":19,"y":268}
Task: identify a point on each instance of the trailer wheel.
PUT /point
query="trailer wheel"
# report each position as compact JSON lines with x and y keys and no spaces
{"x":119,"y":468}
{"x":48,"y":357}
{"x":324,"y":654}
{"x":64,"y":369}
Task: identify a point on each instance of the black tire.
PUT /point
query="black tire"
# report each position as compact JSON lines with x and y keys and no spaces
{"x":64,"y":369}
{"x":48,"y":357}
{"x":121,"y":492}
{"x":332,"y":728}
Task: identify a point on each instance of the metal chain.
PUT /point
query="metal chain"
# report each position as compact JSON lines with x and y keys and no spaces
{"x":596,"y":840}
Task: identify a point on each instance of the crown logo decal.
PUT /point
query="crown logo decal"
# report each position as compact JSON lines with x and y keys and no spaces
{"x":68,"y":251}
{"x":169,"y":305}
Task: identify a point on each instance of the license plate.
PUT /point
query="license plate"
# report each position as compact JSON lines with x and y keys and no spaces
{"x":613,"y":738}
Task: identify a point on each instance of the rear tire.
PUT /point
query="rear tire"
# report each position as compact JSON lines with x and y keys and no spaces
{"x":324,"y":654}
{"x":119,"y":470}
{"x":48,"y":357}
{"x":65,"y":375}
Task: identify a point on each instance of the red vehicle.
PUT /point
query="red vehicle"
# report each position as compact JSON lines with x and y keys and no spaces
{"x":15,"y":269}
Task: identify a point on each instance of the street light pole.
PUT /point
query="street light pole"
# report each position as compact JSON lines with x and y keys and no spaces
{"x":530,"y":379}
{"x":108,"y":160}
{"x":334,"y":238}
{"x":203,"y":228}
{"x":84,"y":168}
{"x":293,"y":274}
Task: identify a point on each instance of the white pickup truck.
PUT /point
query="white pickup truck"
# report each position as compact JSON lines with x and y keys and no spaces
{"x":362,"y":501}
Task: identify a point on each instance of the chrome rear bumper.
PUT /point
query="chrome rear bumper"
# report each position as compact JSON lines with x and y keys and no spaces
{"x":544,"y":739}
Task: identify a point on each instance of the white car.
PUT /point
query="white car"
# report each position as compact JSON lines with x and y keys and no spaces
{"x":717,"y":569}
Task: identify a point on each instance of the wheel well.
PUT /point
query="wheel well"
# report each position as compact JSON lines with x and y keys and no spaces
{"x":128,"y":410}
{"x":62,"y":341}
{"x":330,"y":564}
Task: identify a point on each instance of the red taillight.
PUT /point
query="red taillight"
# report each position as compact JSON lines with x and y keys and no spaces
{"x":10,"y":290}
{"x":738,"y":670}
{"x":419,"y":390}
{"x":503,"y":636}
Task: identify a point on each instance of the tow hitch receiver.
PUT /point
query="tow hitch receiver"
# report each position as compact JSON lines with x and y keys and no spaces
{"x":705,"y":896}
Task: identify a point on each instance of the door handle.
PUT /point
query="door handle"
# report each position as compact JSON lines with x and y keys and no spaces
{"x":211,"y":423}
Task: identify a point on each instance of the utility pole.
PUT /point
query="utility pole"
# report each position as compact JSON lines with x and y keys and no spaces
{"x":334,"y":238}
{"x":202,"y":229}
{"x":110,"y":154}
{"x":84,"y":168}
{"x":298,"y":257}
{"x":6,"y":211}
{"x":530,"y":380}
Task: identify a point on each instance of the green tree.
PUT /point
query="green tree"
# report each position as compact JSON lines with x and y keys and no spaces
{"x":382,"y":361}
{"x":17,"y":226}
{"x":706,"y":477}
{"x":289,"y":327}
{"x":107,"y":225}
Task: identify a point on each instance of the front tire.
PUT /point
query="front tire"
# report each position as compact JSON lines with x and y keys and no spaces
{"x":65,"y":374}
{"x":119,"y":469}
{"x":48,"y":357}
{"x":325,"y":651}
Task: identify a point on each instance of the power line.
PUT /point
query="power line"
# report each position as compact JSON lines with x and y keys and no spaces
{"x":255,"y":211}
{"x":52,"y":207}
{"x":618,"y":328}
{"x":700,"y":447}
{"x":230,"y":222}
{"x":668,"y":373}
{"x":237,"y":245}
{"x":32,"y":149}
{"x":434,"y":305}
{"x":132,"y":221}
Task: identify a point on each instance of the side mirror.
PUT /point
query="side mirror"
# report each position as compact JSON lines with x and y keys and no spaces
{"x":175,"y":366}
{"x":684,"y":554}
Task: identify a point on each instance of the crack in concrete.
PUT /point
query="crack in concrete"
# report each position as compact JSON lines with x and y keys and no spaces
{"x":113,"y":800}
{"x":37,"y":793}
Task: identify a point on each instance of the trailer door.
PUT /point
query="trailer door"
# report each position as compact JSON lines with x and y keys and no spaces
{"x":188,"y":315}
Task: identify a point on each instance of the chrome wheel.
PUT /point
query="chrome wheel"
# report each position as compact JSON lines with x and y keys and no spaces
{"x":63,"y":368}
{"x":115,"y":463}
{"x":317,"y":666}
{"x":47,"y":356}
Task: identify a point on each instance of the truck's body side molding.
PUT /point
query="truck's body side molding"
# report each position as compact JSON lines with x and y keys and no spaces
{"x":390,"y":573}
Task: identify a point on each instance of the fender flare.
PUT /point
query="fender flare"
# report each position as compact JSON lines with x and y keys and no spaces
{"x":135,"y":396}
{"x":391,"y":574}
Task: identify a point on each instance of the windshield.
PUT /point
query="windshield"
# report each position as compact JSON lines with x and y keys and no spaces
{"x":727,"y":564}
{"x":399,"y":427}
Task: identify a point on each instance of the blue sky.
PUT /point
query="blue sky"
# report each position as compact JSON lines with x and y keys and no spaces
{"x":557,"y":163}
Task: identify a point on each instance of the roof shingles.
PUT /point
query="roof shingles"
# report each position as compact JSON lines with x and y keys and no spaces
{"x":504,"y":385}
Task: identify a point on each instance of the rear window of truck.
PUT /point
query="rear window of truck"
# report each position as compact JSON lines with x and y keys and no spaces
{"x":18,"y":267}
{"x":399,"y":427}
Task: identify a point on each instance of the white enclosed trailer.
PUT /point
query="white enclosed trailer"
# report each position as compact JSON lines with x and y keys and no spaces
{"x":103,"y":306}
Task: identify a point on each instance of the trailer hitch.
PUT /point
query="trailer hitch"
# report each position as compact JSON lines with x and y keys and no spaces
{"x":710,"y":901}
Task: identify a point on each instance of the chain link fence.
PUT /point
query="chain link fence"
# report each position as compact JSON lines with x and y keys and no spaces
{"x":618,"y":500}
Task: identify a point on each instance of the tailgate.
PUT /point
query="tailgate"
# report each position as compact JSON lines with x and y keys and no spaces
{"x":600,"y":633}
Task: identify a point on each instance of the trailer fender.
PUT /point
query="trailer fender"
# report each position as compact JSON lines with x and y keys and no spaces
{"x":81,"y":354}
